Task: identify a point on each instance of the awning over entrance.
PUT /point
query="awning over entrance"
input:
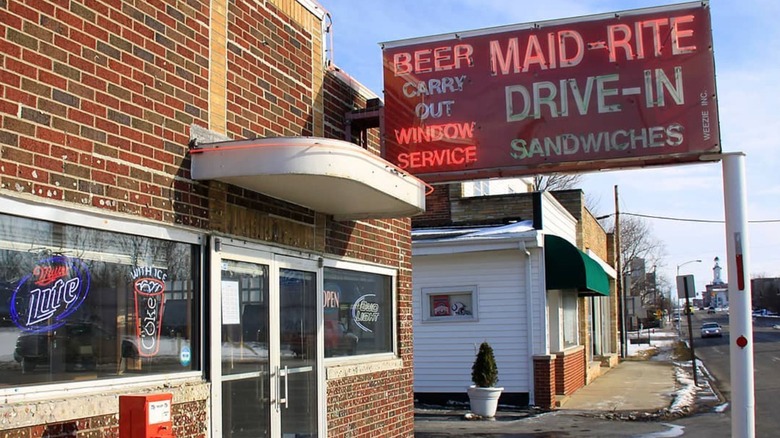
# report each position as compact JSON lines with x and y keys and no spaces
{"x":569,"y":268}
{"x":326,"y":175}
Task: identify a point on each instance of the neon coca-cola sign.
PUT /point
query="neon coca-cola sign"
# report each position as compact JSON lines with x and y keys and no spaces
{"x":43,"y":300}
{"x":148,"y":291}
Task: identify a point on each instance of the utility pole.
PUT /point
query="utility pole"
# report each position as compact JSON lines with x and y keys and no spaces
{"x":619,"y":282}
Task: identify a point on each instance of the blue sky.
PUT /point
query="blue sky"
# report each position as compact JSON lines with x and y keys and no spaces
{"x":747,"y":61}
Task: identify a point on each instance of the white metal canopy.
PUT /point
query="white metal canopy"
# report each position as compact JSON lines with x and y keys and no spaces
{"x":325,"y":175}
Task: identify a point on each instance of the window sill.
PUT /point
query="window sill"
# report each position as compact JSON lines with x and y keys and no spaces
{"x":367,"y":366}
{"x":570,"y":350}
{"x":68,"y":402}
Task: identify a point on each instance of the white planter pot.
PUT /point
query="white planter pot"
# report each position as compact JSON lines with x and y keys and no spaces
{"x":484,"y":401}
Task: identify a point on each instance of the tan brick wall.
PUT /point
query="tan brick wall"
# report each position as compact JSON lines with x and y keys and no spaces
{"x":590,"y":234}
{"x":585,"y":322}
{"x":594,"y":237}
{"x":218,"y":66}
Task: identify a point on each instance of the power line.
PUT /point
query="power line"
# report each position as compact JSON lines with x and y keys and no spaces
{"x":679,"y":219}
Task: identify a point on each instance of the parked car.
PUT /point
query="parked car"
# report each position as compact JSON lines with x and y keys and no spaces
{"x":83,"y":343}
{"x":711,"y":329}
{"x":338,"y":340}
{"x":711,"y":310}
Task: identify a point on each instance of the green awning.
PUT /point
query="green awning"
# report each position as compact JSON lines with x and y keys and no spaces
{"x":569,"y":268}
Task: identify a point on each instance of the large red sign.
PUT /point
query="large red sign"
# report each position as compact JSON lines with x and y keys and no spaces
{"x":626,"y":89}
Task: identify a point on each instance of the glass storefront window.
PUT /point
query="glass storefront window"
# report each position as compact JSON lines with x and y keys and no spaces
{"x":358,"y":313}
{"x":570,"y":325}
{"x":80,"y":304}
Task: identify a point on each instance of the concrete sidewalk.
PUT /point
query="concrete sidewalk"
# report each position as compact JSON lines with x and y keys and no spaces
{"x":635,"y":388}
{"x":633,"y":385}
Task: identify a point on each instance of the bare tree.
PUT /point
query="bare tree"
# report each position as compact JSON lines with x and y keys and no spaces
{"x":637,"y":242}
{"x":766,"y":293}
{"x":641,"y":254}
{"x":556,"y":181}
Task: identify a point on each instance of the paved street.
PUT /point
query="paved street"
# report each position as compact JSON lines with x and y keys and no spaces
{"x":576,"y":424}
{"x":583,"y":417}
{"x":623,"y":410}
{"x":714,"y":352}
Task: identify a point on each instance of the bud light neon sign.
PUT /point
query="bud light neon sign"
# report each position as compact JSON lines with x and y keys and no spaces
{"x":54,"y":290}
{"x":365,"y":313}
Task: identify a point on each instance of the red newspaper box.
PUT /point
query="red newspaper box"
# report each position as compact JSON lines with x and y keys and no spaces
{"x":145,"y":416}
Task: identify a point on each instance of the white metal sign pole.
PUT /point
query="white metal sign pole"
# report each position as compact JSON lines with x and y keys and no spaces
{"x":740,"y":326}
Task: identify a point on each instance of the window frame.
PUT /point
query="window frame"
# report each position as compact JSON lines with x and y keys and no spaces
{"x":427,"y":293}
{"x":570,"y":320}
{"x":101,"y":221}
{"x":371,"y":269}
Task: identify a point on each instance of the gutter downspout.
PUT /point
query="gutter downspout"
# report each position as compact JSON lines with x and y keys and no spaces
{"x":529,"y":311}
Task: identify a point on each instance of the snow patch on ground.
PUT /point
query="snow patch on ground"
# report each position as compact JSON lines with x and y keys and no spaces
{"x":674,"y":431}
{"x":685,"y":396}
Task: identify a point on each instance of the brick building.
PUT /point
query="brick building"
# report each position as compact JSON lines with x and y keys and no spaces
{"x":173,"y":220}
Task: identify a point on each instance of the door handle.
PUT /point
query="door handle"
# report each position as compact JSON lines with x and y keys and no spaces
{"x":282,"y":400}
{"x":278,"y":380}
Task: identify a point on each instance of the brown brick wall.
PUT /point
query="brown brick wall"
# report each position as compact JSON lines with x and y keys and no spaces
{"x":341,"y":97}
{"x":269,"y":80}
{"x":544,"y":381}
{"x":437,"y":207}
{"x":96,"y":101}
{"x":446,"y":206}
{"x":570,"y":371}
{"x":189,"y":420}
{"x":493,"y":209}
{"x":378,"y":405}
{"x":103,"y":426}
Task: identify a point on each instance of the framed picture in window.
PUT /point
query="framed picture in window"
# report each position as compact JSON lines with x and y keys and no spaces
{"x":449,"y":304}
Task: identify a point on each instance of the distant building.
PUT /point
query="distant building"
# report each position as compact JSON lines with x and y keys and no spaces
{"x":717,"y":293}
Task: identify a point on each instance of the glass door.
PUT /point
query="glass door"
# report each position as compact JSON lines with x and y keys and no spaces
{"x":297,"y":369}
{"x":265,"y":353}
{"x":245,"y":350}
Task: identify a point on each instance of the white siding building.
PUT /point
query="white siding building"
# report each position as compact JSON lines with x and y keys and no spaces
{"x":488,"y":283}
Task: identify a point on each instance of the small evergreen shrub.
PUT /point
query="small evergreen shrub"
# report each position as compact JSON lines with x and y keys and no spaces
{"x":484,"y":372}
